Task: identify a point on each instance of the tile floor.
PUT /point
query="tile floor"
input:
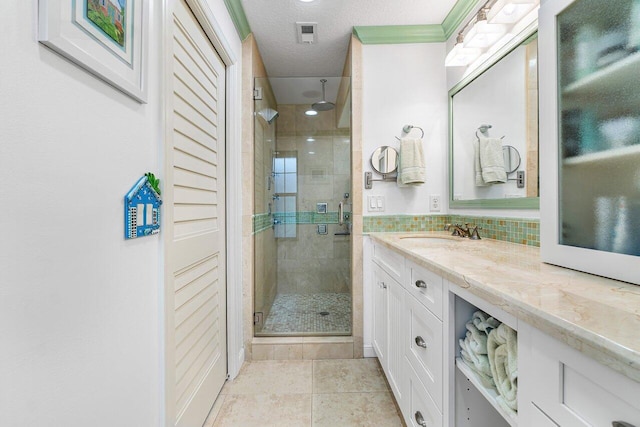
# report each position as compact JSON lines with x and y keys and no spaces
{"x":301,"y":314}
{"x":318,"y":393}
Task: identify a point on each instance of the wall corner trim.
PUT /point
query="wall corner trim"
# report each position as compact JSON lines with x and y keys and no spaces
{"x":396,"y":34}
{"x":238,"y":17}
{"x":457,"y":15}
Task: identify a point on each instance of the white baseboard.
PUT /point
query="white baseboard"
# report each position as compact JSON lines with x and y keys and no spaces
{"x":369,"y":351}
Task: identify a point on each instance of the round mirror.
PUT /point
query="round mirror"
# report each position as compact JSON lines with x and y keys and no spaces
{"x":384,"y":160}
{"x":511,"y":159}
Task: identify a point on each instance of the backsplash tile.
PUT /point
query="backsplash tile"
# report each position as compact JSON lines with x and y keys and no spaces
{"x":516,"y":230}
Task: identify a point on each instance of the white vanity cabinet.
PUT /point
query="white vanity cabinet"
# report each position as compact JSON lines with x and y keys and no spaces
{"x":417,"y":320}
{"x":407,"y":334}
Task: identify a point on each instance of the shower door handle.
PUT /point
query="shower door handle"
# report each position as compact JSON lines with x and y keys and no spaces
{"x":340,"y":213}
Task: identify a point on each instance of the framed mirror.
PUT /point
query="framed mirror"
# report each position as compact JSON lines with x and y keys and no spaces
{"x":384,"y":160}
{"x":495,"y":109}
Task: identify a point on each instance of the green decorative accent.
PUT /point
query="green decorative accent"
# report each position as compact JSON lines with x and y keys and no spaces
{"x":261,"y":222}
{"x":396,"y":34}
{"x":514,"y":230}
{"x":434,"y":33}
{"x":153,"y":182}
{"x":238,"y":17}
{"x":459,"y":12}
{"x":403,"y":223}
{"x":264,"y":221}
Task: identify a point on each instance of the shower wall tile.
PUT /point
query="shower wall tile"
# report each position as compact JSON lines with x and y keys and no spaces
{"x":324,"y":121}
{"x":286,"y":122}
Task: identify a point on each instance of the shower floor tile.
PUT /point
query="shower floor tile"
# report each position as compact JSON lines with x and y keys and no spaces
{"x":301,"y":314}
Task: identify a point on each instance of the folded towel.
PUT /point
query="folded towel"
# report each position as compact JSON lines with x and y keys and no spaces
{"x":411,"y":169}
{"x":484,"y":322}
{"x":479,"y":363}
{"x":502,"y":347}
{"x":492,"y":161}
{"x":477,"y":167}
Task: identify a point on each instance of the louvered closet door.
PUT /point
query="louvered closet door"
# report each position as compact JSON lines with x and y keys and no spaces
{"x":195,"y":255}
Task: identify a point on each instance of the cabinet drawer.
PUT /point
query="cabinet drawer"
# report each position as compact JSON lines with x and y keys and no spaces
{"x":424,"y":349}
{"x":392,"y":262}
{"x":419,"y":409}
{"x":575,"y":390}
{"x":426,"y":287}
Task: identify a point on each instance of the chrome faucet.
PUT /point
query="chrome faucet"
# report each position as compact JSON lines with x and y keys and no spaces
{"x":464,"y":231}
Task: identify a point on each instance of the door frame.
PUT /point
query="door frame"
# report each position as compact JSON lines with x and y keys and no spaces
{"x":235,"y":347}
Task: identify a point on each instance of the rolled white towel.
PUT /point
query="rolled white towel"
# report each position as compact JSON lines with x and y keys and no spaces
{"x":502,"y":347}
{"x":484,"y":322}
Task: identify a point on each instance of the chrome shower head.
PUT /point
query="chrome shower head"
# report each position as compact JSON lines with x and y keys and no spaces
{"x":323,"y":105}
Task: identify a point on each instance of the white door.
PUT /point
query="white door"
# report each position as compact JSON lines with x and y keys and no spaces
{"x":195,"y":276}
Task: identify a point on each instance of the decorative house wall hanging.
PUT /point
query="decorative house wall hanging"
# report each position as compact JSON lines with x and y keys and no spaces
{"x":142,"y":208}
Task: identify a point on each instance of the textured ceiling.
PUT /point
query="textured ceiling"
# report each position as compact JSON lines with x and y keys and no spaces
{"x":273,"y":25}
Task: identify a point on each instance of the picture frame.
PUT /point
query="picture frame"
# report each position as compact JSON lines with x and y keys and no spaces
{"x":108,"y":38}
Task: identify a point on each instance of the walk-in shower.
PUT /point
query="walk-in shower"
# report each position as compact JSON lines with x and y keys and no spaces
{"x":302,"y":216}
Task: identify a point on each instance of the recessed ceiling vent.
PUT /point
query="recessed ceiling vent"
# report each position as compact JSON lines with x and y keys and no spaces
{"x":307,"y":32}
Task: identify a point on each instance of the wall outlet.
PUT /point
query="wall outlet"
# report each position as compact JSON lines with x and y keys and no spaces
{"x":434,"y":203}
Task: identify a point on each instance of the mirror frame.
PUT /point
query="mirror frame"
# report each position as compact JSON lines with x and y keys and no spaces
{"x":525,"y":35}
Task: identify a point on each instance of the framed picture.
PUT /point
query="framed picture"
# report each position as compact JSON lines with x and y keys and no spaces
{"x":106,"y":37}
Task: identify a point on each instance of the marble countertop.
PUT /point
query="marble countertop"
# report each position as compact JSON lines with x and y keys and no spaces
{"x":597,"y":316}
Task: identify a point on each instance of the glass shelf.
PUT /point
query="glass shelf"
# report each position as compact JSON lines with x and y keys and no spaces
{"x":616,"y":81}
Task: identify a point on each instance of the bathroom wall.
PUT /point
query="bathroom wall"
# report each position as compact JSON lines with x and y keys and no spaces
{"x":405,"y":84}
{"x":307,"y":261}
{"x":81,"y":309}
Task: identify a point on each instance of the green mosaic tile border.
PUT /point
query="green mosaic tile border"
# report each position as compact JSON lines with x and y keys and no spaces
{"x":516,"y":230}
{"x":403,"y":223}
{"x":263,"y":221}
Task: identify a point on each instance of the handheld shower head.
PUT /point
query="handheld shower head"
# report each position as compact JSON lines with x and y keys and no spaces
{"x":268,"y":114}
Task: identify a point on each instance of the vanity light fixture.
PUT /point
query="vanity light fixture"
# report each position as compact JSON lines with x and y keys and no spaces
{"x":461,"y":55}
{"x":311,"y":113}
{"x":510,"y":11}
{"x":306,"y":1}
{"x":483,"y":34}
{"x":495,"y":24}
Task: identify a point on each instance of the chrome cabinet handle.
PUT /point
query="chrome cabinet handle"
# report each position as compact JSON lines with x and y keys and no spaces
{"x":383,"y":285}
{"x":621,"y":424}
{"x":420,"y":342}
{"x":420,"y":419}
{"x":421,"y":284}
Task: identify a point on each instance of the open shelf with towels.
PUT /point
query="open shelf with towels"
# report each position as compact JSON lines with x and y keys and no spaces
{"x":476,"y":402}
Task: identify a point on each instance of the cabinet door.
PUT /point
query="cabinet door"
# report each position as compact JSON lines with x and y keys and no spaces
{"x":380,"y":314}
{"x":590,"y":135}
{"x":396,"y":332}
{"x":571,"y":388}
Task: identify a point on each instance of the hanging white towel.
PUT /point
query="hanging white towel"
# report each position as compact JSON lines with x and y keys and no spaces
{"x":411,"y":169}
{"x":477,"y":166}
{"x":492,"y":161}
